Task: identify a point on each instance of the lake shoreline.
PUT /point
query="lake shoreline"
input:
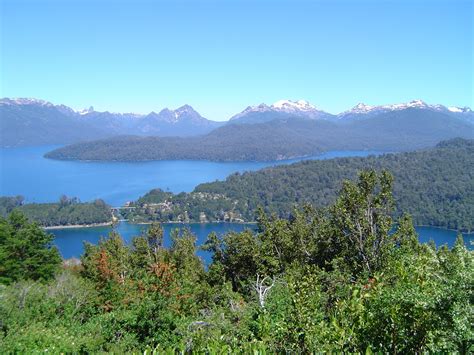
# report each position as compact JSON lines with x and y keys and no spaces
{"x":77,"y":226}
{"x":130,"y":180}
{"x":72,"y":226}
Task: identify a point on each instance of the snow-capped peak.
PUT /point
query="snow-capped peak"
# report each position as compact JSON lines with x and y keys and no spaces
{"x":25,"y":101}
{"x":299,"y":108}
{"x":289,"y":105}
{"x":257,"y":108}
{"x":402,"y":106}
{"x":418,"y":104}
{"x":185,"y":112}
{"x":185,"y":109}
{"x":362,"y":108}
{"x":86,"y":111}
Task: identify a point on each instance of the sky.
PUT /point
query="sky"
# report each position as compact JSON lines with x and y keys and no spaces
{"x":221,"y":56}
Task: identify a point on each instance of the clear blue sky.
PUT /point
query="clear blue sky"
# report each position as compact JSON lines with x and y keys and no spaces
{"x":221,"y":56}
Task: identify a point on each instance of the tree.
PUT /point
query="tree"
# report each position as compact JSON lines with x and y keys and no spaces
{"x":26,"y":250}
{"x":154,"y":236}
{"x":361,"y":217}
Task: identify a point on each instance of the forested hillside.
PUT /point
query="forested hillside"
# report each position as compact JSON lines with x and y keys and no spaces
{"x":436,"y":186}
{"x":331,"y":281}
{"x":67,"y":211}
{"x":408,"y":129}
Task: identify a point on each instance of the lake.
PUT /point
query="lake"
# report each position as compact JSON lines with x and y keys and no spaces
{"x":24,"y":171}
{"x":70,"y":240}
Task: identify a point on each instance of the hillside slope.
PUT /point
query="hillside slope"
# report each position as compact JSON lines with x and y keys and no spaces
{"x":436,"y":186}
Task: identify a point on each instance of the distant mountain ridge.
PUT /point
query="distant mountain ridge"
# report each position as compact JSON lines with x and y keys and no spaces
{"x":35,"y":122}
{"x":287,"y":108}
{"x":361,"y":110}
{"x":279,"y":110}
{"x":184,"y":121}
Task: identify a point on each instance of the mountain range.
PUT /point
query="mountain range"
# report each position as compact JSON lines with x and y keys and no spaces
{"x":293,"y":137}
{"x":285,"y":129}
{"x":36,"y":122}
{"x":301,"y":108}
{"x":280,"y":110}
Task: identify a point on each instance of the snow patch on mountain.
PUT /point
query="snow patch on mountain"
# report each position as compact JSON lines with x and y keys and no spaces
{"x":288,"y":105}
{"x":24,"y":101}
{"x":86,"y":111}
{"x":302,"y":107}
{"x":459,"y":109}
{"x":362,"y":108}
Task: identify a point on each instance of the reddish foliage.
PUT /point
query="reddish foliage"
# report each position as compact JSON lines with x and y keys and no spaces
{"x":165,"y":275}
{"x":370,"y":284}
{"x":105,"y":272}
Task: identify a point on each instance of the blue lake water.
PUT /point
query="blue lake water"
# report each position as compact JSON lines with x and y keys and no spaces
{"x":70,"y":240}
{"x":24,"y":171}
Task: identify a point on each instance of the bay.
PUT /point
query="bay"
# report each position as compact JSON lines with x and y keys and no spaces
{"x":70,"y":240}
{"x":24,"y":171}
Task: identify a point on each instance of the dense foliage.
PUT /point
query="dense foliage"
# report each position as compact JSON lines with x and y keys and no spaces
{"x":67,"y":211}
{"x":25,"y":250}
{"x":435,"y":186}
{"x":330,"y":280}
{"x":281,"y":139}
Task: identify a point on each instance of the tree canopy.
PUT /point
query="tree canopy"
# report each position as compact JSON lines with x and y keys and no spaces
{"x":67,"y":211}
{"x":335,"y":279}
{"x":26,"y":250}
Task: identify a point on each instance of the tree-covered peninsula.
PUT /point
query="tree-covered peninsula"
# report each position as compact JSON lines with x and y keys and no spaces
{"x":66,"y":212}
{"x":436,"y":186}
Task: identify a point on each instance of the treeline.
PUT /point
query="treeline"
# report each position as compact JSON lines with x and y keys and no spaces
{"x":436,"y":186}
{"x":67,"y":211}
{"x":336,"y":280}
{"x":281,"y":139}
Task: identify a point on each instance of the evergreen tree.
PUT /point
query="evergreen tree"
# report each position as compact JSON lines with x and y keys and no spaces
{"x":26,"y":251}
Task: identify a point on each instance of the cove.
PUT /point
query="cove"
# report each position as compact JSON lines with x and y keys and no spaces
{"x":70,"y":240}
{"x":24,"y":171}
